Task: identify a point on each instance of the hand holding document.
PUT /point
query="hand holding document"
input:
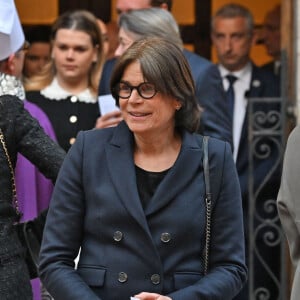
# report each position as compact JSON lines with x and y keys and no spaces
{"x":107,"y":104}
{"x":110,"y":113}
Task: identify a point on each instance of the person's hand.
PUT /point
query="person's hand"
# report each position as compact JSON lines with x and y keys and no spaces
{"x":109,"y":120}
{"x":151,"y":296}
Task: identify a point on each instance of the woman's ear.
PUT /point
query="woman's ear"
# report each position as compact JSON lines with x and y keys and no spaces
{"x":178,"y":105}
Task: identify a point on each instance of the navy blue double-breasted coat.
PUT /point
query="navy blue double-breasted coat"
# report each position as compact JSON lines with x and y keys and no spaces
{"x":126,"y":250}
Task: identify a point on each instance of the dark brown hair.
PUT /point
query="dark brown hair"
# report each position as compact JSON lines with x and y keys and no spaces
{"x":163,"y":64}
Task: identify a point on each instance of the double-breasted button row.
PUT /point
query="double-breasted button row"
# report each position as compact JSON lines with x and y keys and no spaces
{"x":73,"y":119}
{"x":123,"y":277}
{"x":154,"y":278}
{"x":165,"y":237}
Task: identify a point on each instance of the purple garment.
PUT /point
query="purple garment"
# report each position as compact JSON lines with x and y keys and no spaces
{"x":33,"y":189}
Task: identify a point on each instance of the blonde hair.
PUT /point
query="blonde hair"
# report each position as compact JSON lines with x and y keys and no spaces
{"x":81,"y":20}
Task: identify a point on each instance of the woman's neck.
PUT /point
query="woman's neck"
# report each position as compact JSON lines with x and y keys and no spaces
{"x":157,"y":154}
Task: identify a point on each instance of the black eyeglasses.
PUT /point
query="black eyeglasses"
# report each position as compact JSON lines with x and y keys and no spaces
{"x":145,"y":89}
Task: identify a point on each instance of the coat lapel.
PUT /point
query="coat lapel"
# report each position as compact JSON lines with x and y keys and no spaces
{"x":255,"y":91}
{"x":119,"y":153}
{"x":256,"y":85}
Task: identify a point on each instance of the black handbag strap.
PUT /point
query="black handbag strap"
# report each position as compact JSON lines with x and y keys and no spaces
{"x":208,"y":198}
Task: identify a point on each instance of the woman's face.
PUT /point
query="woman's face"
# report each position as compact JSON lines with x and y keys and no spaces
{"x":126,"y":39}
{"x":146,"y":116}
{"x":36,"y":57}
{"x":73,"y":54}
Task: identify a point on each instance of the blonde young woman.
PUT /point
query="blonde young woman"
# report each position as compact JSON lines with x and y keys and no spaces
{"x":67,"y":87}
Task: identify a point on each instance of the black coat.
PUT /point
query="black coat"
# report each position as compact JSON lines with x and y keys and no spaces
{"x":97,"y":206}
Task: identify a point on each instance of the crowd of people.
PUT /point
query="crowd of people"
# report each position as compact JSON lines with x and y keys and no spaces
{"x":131,"y":202}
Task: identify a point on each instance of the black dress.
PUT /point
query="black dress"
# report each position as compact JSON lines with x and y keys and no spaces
{"x":22,"y":134}
{"x":68,"y":114}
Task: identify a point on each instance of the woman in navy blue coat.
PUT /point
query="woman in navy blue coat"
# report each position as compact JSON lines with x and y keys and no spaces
{"x":132,"y":197}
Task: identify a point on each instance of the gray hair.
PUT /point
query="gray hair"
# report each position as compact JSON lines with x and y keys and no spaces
{"x":233,"y":10}
{"x":151,"y":22}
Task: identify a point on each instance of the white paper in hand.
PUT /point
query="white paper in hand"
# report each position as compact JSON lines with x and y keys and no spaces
{"x":133,"y":298}
{"x":107,"y":104}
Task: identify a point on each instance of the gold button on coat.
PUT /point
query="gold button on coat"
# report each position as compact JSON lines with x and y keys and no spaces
{"x":165,"y":237}
{"x":122,"y":277}
{"x":118,"y":235}
{"x":155,"y":279}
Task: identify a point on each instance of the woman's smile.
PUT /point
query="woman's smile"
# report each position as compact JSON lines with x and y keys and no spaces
{"x":138,"y":114}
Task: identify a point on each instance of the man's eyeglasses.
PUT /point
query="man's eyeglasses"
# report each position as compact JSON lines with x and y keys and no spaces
{"x":145,"y":89}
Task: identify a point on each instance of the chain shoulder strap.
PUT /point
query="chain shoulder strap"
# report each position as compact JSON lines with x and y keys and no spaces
{"x":208,"y":198}
{"x":13,"y":182}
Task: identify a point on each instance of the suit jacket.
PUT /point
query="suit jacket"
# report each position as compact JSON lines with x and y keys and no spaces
{"x":215,"y":119}
{"x":126,"y":250}
{"x":263,"y":84}
{"x":270,"y":67}
{"x":289,"y":205}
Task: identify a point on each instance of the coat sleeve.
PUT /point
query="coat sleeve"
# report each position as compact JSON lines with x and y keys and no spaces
{"x":215,"y":119}
{"x":63,"y":231}
{"x":288,"y":197}
{"x":227,"y":271}
{"x":31,"y":140}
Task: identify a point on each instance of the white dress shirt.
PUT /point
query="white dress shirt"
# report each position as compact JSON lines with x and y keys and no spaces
{"x":241,"y":86}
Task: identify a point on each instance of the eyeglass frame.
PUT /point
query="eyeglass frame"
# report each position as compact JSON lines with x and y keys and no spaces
{"x":136,"y":87}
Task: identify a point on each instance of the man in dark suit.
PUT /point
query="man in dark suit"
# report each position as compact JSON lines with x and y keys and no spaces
{"x":215,"y":119}
{"x":232,"y":36}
